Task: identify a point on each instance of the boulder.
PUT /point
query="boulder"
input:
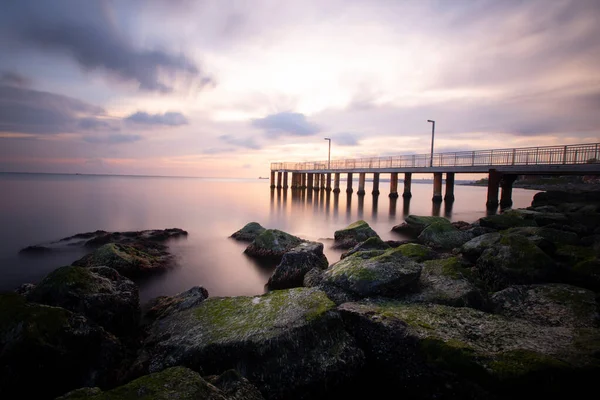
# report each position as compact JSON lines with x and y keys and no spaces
{"x":443,"y":235}
{"x":353,"y":234}
{"x":314,"y":278}
{"x":234,"y":386}
{"x":46,"y":351}
{"x":272,"y":243}
{"x":417,"y":252}
{"x":372,"y":243}
{"x":540,"y":234}
{"x":561,"y":199}
{"x":163,"y":306}
{"x":472,"y":249}
{"x":289,"y":343}
{"x":436,"y":351}
{"x":413,"y":224}
{"x":365,"y":274}
{"x":548,"y":304}
{"x":296,"y":263}
{"x":506,"y":220}
{"x":99,"y":293}
{"x":128,"y":260}
{"x":249,"y":232}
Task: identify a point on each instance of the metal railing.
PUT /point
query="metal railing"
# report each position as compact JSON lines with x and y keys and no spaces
{"x":546,"y":155}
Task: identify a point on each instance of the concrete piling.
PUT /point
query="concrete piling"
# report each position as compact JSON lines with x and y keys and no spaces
{"x":393,"y":185}
{"x":336,"y":182}
{"x":506,"y":183}
{"x":361,"y":184}
{"x":493,"y":185}
{"x":349,"y":183}
{"x":279,"y":175}
{"x":375,"y":191}
{"x":407,"y":194}
{"x":285,"y":180}
{"x":449,"y":196}
{"x":437,"y":187}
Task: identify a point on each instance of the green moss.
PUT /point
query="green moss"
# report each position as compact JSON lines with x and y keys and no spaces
{"x":450,"y":267}
{"x":452,"y":355}
{"x":66,"y":279}
{"x":357,"y":224}
{"x":416,"y":251}
{"x":575,"y":254}
{"x":518,"y":363}
{"x":509,"y":219}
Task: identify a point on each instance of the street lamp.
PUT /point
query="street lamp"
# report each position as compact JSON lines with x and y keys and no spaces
{"x":432,"y":134}
{"x":329,"y":154}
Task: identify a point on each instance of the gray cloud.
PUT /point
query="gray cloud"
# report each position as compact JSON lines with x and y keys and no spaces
{"x":345,"y":139}
{"x":286,"y":123}
{"x":166,"y":119}
{"x":94,"y":124}
{"x":86,"y":32}
{"x":116,"y":138}
{"x":11,"y":78}
{"x":217,"y":150}
{"x":247,"y":143}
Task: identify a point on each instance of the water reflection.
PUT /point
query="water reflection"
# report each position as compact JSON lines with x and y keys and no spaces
{"x":393,"y":201}
{"x":374,"y":208}
{"x":405,"y":206}
{"x":436,"y":207}
{"x":361,"y":206}
{"x":448,"y":209}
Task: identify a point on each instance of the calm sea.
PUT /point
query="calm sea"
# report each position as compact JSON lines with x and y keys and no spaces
{"x":37,"y":208}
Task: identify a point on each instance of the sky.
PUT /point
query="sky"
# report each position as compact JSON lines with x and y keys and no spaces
{"x":222,"y":88}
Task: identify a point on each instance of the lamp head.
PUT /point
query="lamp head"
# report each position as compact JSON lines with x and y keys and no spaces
{"x":429,"y":120}
{"x":327,"y":138}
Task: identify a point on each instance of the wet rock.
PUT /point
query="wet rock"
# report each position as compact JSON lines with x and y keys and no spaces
{"x":174,"y":383}
{"x":549,"y":304}
{"x":562,"y":199}
{"x":413,"y":224}
{"x":366,"y":274}
{"x":314,"y":278}
{"x":25,"y":289}
{"x":272,"y":243}
{"x":259,"y":336}
{"x":163,"y":306}
{"x":99,"y":293}
{"x":372,"y":243}
{"x":353,"y":234}
{"x":417,"y":252}
{"x":444,"y":236}
{"x":556,"y":236}
{"x":296,"y":263}
{"x":47,"y":351}
{"x":249,"y":232}
{"x":234,"y":386}
{"x":479,"y":230}
{"x":462,"y":225}
{"x":506,"y":220}
{"x":472,"y":249}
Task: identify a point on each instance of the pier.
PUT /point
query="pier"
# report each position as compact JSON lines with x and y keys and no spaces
{"x":502,"y":166}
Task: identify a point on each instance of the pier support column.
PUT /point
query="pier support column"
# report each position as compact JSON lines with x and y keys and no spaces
{"x":309,"y":181}
{"x":375,"y":191}
{"x":328,"y":185}
{"x":493,"y":184}
{"x":279,"y":180}
{"x":349,"y":183}
{"x":303,"y":179}
{"x":506,"y":183}
{"x":316,"y":183}
{"x":393,"y":185}
{"x":361,"y":184}
{"x":285,"y":180}
{"x":449,"y":196}
{"x":272,"y":179}
{"x":437,"y":187}
{"x":322,"y":181}
{"x":407,"y":185}
{"x":336,"y":182}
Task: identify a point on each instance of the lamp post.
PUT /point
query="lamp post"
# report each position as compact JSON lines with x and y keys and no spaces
{"x":329,"y":154}
{"x":432,"y":134}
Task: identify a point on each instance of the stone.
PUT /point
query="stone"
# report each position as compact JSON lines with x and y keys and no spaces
{"x":417,"y":252}
{"x":353,"y":234}
{"x":163,"y":306}
{"x":506,"y":220}
{"x":234,"y":386}
{"x":413,"y":224}
{"x":472,"y":249}
{"x":444,"y":236}
{"x":295,"y":264}
{"x":249,"y":232}
{"x":288,"y":343}
{"x":372,"y":243}
{"x":99,"y":293}
{"x":272,"y":243}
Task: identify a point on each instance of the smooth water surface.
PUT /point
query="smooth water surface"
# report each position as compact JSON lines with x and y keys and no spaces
{"x":37,"y":208}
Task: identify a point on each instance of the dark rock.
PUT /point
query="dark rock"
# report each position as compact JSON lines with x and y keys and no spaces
{"x":417,"y":252}
{"x":372,"y":243}
{"x":479,"y":230}
{"x":296,"y":263}
{"x":506,"y":220}
{"x":36,"y":249}
{"x":272,"y":243}
{"x":234,"y":386}
{"x":25,"y":289}
{"x":462,"y":225}
{"x":559,"y":199}
{"x":46,"y":351}
{"x":444,"y":236}
{"x":353,"y":234}
{"x":99,"y":293}
{"x":414,"y":224}
{"x":163,"y":306}
{"x":472,"y":249}
{"x":249,"y":232}
{"x":315,"y":278}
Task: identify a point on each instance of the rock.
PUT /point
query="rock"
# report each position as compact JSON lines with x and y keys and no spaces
{"x":414,"y":224}
{"x":585,"y":274}
{"x":289,"y":343}
{"x":174,"y":383}
{"x":417,"y":252}
{"x":249,"y":232}
{"x":25,"y":289}
{"x":434,"y":351}
{"x":127,"y":260}
{"x":562,"y":199}
{"x":234,"y":386}
{"x":46,"y":351}
{"x":163,"y":306}
{"x":556,"y":236}
{"x":476,"y":246}
{"x":549,"y":304}
{"x":462,"y":225}
{"x":387,"y":274}
{"x":272,"y":243}
{"x":572,"y":255}
{"x":446,"y":281}
{"x":314,"y":278}
{"x":353,"y":234}
{"x":444,"y":236}
{"x":506,"y":220}
{"x":296,"y":263}
{"x":514,"y":259}
{"x":99,"y":293}
{"x":372,"y":243}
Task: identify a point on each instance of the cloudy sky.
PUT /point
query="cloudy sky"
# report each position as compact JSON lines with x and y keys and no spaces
{"x":224,"y":87}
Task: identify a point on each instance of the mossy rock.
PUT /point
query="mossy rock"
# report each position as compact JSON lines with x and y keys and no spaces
{"x":234,"y":386}
{"x":414,"y":224}
{"x":556,"y":236}
{"x":296,"y":263}
{"x":549,"y":304}
{"x":272,"y":243}
{"x":372,"y":243}
{"x":585,"y":274}
{"x":506,"y":220}
{"x":473,"y":249}
{"x":249,"y":232}
{"x":173,"y":383}
{"x":163,"y":306}
{"x":54,"y":348}
{"x":572,"y":255}
{"x":353,"y":234}
{"x":417,"y":252}
{"x":387,"y":274}
{"x":258,"y":336}
{"x":444,"y":236}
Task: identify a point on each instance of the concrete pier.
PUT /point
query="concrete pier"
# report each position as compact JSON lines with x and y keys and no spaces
{"x":279,"y":175}
{"x":375,"y":191}
{"x":316,"y":181}
{"x":336,"y":182}
{"x":493,"y":185}
{"x":361,"y":184}
{"x":303,"y":181}
{"x":272,"y":179}
{"x":285,"y":180}
{"x":328,"y":185}
{"x":322,"y":181}
{"x":506,"y":183}
{"x":309,"y":181}
{"x":437,"y":187}
{"x":349,"y":183}
{"x":449,"y":196}
{"x":407,"y":194}
{"x":393,"y":185}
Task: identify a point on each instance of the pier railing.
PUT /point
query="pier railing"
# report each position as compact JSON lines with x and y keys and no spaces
{"x":546,"y":155}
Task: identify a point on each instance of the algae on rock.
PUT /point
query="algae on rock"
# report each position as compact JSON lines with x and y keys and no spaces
{"x":272,"y":243}
{"x":353,"y":234}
